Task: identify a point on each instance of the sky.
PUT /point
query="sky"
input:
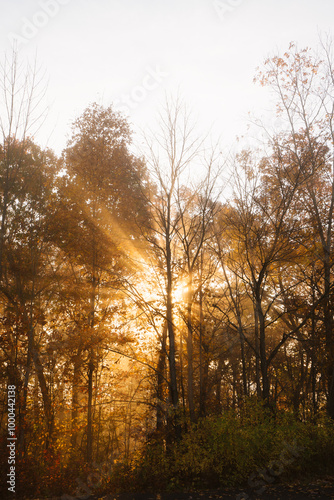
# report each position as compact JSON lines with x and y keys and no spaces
{"x":132,"y":53}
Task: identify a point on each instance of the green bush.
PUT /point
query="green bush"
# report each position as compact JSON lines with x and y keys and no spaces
{"x":226,"y":450}
{"x":223,"y":450}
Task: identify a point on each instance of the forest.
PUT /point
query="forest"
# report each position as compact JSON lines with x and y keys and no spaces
{"x":166,"y":308}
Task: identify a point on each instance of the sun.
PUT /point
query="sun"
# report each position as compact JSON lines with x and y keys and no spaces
{"x":180,"y":291}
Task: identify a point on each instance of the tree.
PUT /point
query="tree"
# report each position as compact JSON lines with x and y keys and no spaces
{"x":101,"y":177}
{"x":260,"y":248}
{"x":303,"y":84}
{"x":27,"y":278}
{"x":168,"y":159}
{"x":21,"y":97}
{"x":197,"y":209}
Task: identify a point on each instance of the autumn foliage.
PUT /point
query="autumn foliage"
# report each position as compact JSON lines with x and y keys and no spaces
{"x":164,"y":329}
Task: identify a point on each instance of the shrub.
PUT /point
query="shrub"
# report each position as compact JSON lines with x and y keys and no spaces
{"x":225,"y":450}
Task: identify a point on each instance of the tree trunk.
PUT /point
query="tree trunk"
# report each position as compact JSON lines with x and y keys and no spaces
{"x":75,"y":399}
{"x":45,"y":393}
{"x":190,"y":353}
{"x":23,"y":404}
{"x":203,"y":365}
{"x":91,"y":362}
{"x":243,"y":359}
{"x":161,"y":374}
{"x":263,"y":356}
{"x":257,"y":353}
{"x":328,"y":319}
{"x":89,"y":410}
{"x":170,"y":326}
{"x":219,"y":374}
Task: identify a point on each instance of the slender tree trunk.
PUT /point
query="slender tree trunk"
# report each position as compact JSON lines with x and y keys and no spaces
{"x":202,"y":378}
{"x":264,"y":365}
{"x":205,"y":389}
{"x":257,"y":353}
{"x":89,"y":410}
{"x":23,"y":404}
{"x":3,"y":228}
{"x":243,"y":359}
{"x":262,"y":349}
{"x":183,"y":392}
{"x":75,"y":399}
{"x":328,"y":319}
{"x":313,"y":374}
{"x":219,"y":374}
{"x":170,"y":325}
{"x":237,"y":308}
{"x":91,"y":362}
{"x":190,"y":351}
{"x":45,"y":393}
{"x":161,"y":374}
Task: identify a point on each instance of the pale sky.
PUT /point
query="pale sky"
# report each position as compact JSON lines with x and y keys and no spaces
{"x":131,"y":52}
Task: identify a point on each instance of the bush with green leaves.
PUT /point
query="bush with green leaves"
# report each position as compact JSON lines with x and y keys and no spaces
{"x":226,"y":450}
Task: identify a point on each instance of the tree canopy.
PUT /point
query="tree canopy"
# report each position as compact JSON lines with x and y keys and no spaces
{"x":145,"y":304}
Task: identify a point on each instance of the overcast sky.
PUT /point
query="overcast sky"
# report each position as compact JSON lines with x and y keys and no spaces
{"x":131,"y":52}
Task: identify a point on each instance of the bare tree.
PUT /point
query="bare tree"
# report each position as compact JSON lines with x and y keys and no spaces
{"x":197,"y":208}
{"x":171,"y":152}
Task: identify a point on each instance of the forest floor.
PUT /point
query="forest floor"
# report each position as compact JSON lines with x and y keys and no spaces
{"x":318,"y":489}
